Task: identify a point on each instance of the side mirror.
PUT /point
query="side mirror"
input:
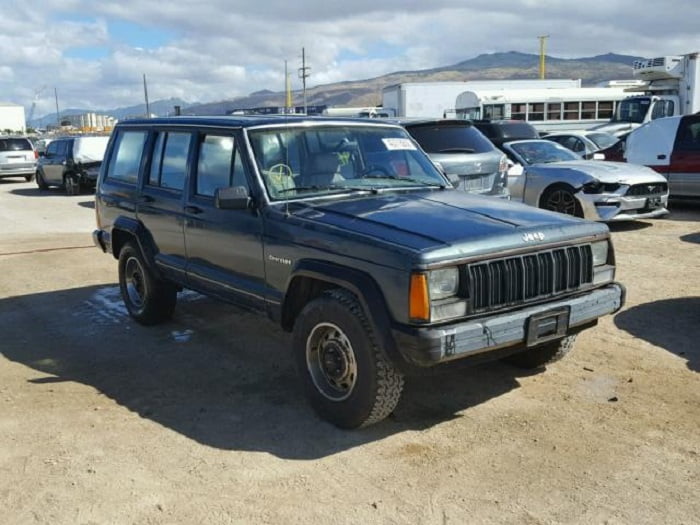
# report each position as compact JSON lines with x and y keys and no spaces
{"x":599,"y":156}
{"x":233,"y":198}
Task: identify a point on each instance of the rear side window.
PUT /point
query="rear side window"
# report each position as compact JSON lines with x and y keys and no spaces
{"x":688,"y":138}
{"x":15,"y":145}
{"x":169,"y":163}
{"x":126,"y":158}
{"x":450,"y":139}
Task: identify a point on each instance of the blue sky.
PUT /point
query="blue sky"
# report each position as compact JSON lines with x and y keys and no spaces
{"x":95,"y":53}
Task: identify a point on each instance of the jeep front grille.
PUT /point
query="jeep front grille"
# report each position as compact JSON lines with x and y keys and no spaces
{"x":515,"y":280}
{"x":652,"y":188}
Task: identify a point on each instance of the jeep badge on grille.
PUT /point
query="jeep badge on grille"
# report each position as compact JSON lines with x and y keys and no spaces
{"x":533,"y":236}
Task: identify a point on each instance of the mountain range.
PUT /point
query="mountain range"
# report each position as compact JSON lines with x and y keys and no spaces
{"x":368,"y":92}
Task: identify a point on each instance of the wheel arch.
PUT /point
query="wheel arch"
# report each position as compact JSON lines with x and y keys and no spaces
{"x":312,"y":277}
{"x":126,"y":229}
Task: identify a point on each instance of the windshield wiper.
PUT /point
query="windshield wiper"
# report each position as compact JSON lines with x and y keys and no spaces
{"x":457,"y":150}
{"x":406,"y":179}
{"x":316,"y":187}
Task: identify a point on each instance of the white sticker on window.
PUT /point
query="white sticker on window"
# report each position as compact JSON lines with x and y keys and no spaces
{"x":398,"y":144}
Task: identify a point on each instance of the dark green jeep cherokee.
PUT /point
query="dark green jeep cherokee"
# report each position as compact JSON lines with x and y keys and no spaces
{"x":345,"y":233}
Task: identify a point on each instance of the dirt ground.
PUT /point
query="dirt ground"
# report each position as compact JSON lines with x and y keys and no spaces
{"x":202,"y":420}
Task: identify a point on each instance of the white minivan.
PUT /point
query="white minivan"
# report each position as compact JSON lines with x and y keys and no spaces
{"x":670,"y":146}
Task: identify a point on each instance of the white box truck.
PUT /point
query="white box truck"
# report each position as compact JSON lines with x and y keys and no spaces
{"x":671,"y":87}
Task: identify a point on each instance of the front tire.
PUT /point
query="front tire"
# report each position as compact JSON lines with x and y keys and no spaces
{"x":560,"y":198}
{"x":346,"y":377}
{"x":148,"y":299}
{"x":542,"y":355}
{"x":29,"y":178}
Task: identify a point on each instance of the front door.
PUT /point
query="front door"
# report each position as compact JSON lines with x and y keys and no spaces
{"x":54,"y":162}
{"x":224,"y":247}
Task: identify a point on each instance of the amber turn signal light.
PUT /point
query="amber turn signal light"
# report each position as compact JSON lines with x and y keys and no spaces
{"x":419,"y":302}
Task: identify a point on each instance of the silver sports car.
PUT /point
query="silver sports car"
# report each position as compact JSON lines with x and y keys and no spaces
{"x":550,"y":176}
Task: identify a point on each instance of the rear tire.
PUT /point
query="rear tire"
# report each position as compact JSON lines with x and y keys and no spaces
{"x":40,"y":181}
{"x":346,"y":377}
{"x":542,"y":355}
{"x":148,"y":299}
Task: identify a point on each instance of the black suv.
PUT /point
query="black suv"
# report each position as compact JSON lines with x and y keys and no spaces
{"x":72,"y":163}
{"x":345,"y":233}
{"x":468,"y":158}
{"x":500,"y":131}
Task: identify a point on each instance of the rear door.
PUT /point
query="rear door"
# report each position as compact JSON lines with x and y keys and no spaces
{"x":55,"y":161}
{"x":224,"y":247}
{"x":161,"y":204}
{"x":684,"y":168}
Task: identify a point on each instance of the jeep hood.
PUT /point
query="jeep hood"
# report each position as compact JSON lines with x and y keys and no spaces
{"x":440,"y":225}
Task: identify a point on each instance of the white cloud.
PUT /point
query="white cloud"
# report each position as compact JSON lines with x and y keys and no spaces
{"x":226,"y":48}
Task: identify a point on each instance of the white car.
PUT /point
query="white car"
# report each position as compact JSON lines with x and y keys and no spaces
{"x":547,"y":175}
{"x":586,"y":143}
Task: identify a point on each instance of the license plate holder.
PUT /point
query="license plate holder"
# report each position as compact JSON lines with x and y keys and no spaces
{"x":654,"y":203}
{"x":546,"y":326}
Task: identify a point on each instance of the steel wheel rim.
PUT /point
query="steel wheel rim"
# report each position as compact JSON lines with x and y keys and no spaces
{"x":134,"y":281}
{"x":562,"y":201}
{"x":330,"y":361}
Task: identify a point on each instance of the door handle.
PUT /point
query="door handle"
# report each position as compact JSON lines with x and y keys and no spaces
{"x":661,"y":157}
{"x":194,"y":210}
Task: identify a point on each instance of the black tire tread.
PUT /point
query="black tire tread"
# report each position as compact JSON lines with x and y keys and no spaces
{"x":163,"y":294}
{"x":40,"y":181}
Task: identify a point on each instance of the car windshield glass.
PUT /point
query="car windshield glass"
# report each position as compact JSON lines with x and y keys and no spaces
{"x":632,"y":110}
{"x":603,"y":140}
{"x":310,"y":161}
{"x":461,"y":138}
{"x":542,"y":152}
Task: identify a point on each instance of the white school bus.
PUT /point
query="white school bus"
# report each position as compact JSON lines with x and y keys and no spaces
{"x":548,"y":110}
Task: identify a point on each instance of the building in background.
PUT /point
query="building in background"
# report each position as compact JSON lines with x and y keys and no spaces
{"x":12,"y":119}
{"x":91,"y":122}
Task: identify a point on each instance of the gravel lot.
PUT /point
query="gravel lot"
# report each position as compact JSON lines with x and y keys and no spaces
{"x":202,"y":420}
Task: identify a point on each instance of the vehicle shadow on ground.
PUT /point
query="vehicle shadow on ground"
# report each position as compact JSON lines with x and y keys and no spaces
{"x":36,"y":192}
{"x":676,"y":326}
{"x":691,"y":237}
{"x":219,"y":376}
{"x":628,"y":226}
{"x":87,"y":204}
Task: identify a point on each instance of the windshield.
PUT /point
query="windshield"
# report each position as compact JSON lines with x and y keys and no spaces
{"x":603,"y":140}
{"x":308,"y":161}
{"x":632,"y":110}
{"x":542,"y":152}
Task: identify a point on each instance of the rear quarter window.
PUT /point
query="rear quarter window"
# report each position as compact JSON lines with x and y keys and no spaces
{"x":126,"y":156}
{"x":15,"y":145}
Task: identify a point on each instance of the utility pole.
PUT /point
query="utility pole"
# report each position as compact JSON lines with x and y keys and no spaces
{"x":542,"y":38}
{"x":304,"y":74}
{"x":58,"y":114}
{"x":287,"y":91}
{"x":145,"y":94}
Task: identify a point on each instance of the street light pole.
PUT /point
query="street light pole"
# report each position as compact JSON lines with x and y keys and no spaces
{"x":304,"y":74}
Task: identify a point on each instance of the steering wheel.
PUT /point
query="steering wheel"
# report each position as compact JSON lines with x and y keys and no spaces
{"x":374,"y":170}
{"x":280,"y":170}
